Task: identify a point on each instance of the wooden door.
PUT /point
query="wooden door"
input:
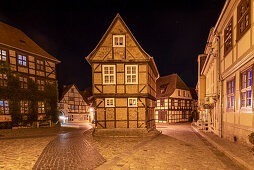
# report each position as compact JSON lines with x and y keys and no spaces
{"x":162,"y":117}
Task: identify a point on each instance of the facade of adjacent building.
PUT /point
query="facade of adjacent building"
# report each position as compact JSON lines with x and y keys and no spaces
{"x":24,"y":63}
{"x":225,"y":77}
{"x":124,"y":80}
{"x":74,"y":106}
{"x":174,"y":100}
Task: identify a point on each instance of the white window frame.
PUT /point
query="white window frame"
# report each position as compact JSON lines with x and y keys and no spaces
{"x":129,"y":105}
{"x":108,"y":104}
{"x":118,"y":39}
{"x":108,"y":74}
{"x":131,"y":74}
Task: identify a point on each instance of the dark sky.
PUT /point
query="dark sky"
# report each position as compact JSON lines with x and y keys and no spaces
{"x":173,"y":32}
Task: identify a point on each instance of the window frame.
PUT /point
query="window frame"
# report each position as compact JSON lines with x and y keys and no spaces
{"x":136,"y":105}
{"x":41,"y":87}
{"x":230,"y":93}
{"x":245,"y":89}
{"x":22,"y":60}
{"x":118,"y":37}
{"x":108,"y":74}
{"x":108,"y":99}
{"x":4,"y":109}
{"x":24,"y":106}
{"x":228,"y":37}
{"x":22,"y":82}
{"x":42,"y":107}
{"x":131,"y":74}
{"x":242,"y":18}
{"x":1,"y":55}
{"x":3,"y":80}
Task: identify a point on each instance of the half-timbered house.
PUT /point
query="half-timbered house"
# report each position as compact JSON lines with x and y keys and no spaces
{"x":124,"y":80}
{"x":174,"y":100}
{"x":27,"y":61}
{"x":74,"y":106}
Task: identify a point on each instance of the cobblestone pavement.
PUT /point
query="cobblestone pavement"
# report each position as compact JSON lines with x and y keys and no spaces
{"x":69,"y":151}
{"x":179,"y":147}
{"x":20,"y":148}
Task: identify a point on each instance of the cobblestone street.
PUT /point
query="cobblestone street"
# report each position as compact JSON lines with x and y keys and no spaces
{"x":178,"y":147}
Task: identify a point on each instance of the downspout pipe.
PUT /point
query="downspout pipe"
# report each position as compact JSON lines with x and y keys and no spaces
{"x":219,"y":85}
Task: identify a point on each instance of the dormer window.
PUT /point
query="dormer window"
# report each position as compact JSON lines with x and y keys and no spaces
{"x":118,"y":40}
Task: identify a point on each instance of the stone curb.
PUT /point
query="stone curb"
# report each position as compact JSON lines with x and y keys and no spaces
{"x":227,"y":153}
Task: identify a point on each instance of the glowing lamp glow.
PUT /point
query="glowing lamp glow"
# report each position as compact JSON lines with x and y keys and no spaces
{"x":62,"y":117}
{"x":91,"y":109}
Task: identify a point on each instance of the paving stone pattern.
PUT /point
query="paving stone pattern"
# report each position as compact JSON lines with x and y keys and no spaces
{"x":69,"y":151}
{"x":179,"y":147}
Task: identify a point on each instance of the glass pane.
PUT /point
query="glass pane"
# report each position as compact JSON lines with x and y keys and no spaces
{"x":128,"y":70}
{"x":121,"y":41}
{"x":111,"y":70}
{"x":111,"y":79}
{"x":116,"y":40}
{"x":133,"y":78}
{"x":3,"y":52}
{"x":20,"y":57}
{"x":232,"y":101}
{"x":249,"y":94}
{"x":133,"y":70}
{"x":229,"y":87}
{"x":128,"y":79}
{"x":106,"y":79}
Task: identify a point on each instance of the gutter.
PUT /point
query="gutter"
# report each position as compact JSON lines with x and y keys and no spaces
{"x":221,"y":15}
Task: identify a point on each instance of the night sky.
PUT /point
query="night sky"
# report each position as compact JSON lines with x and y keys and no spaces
{"x":174,"y":33}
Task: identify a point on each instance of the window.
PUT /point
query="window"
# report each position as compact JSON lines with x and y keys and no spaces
{"x":158,"y":103}
{"x":228,"y":37}
{"x":4,"y":107}
{"x":132,"y":102}
{"x":109,"y":102}
{"x":246,"y":84}
{"x":118,"y":40}
{"x":23,"y":82}
{"x":3,"y":80}
{"x":41,"y":107}
{"x":22,"y":60}
{"x":3,"y":55}
{"x":131,"y":74}
{"x":179,"y":92}
{"x":24,"y":107}
{"x":40,"y":65}
{"x":41,"y":84}
{"x":108,"y":74}
{"x":230,"y":93}
{"x":243,"y":17}
{"x":183,"y":93}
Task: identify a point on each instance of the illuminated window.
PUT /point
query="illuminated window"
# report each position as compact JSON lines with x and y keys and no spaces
{"x":158,"y":103}
{"x":23,"y":82}
{"x":109,"y":102}
{"x":131,"y":74}
{"x":3,"y":55}
{"x":230,"y":93}
{"x":243,"y":17}
{"x":4,"y":107}
{"x":132,"y":102}
{"x":40,"y":84}
{"x":41,"y":107}
{"x":40,"y":65}
{"x":3,"y":80}
{"x":246,"y":92}
{"x":24,"y":107}
{"x":228,"y":37}
{"x":108,"y":74}
{"x":22,"y":60}
{"x":118,"y":40}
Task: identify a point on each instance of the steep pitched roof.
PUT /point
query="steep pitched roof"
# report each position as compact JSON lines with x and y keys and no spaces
{"x":166,"y":85}
{"x":118,"y":17}
{"x":67,"y":88}
{"x":15,"y":38}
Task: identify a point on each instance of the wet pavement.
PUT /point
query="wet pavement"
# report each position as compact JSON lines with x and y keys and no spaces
{"x":69,"y":150}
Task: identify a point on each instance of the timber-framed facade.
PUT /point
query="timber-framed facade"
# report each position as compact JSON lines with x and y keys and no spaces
{"x":26,"y":61}
{"x":124,"y":80}
{"x":74,"y":106}
{"x":175,"y":103}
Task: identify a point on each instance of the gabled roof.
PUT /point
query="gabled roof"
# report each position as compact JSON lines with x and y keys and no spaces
{"x":67,"y":88}
{"x":118,"y":17}
{"x":166,"y":85}
{"x":17,"y":39}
